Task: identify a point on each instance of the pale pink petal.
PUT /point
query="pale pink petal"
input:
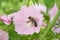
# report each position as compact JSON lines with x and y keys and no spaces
{"x":3,"y":35}
{"x":56,"y":30}
{"x":24,"y":30}
{"x":40,"y":7}
{"x":44,"y":24}
{"x":5,"y":19}
{"x":53,"y":12}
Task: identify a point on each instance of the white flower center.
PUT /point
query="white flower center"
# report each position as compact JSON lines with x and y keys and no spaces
{"x":29,"y":24}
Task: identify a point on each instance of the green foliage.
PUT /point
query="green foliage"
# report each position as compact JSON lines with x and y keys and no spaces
{"x":46,"y":18}
{"x":38,"y":1}
{"x":42,"y":2}
{"x":10,"y":6}
{"x":49,"y":3}
{"x":58,"y":3}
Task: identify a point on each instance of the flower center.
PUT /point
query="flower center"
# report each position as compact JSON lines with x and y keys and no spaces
{"x":31,"y":21}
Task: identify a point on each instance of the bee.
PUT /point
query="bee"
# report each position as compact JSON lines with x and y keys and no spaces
{"x":32,"y":20}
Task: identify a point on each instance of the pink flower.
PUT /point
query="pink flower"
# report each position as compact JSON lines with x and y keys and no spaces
{"x":3,"y":35}
{"x":52,"y":13}
{"x":27,"y":20}
{"x":56,"y":30}
{"x":5,"y":19}
{"x":56,"y":27}
{"x":40,"y":7}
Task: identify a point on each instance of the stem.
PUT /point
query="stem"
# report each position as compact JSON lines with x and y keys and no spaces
{"x":49,"y":26}
{"x":47,"y":10}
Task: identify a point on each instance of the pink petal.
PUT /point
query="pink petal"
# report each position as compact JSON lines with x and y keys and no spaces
{"x":56,"y":30}
{"x":3,"y":35}
{"x":40,"y":7}
{"x":44,"y":24}
{"x":24,"y":30}
{"x":5,"y":19}
{"x":53,"y":12}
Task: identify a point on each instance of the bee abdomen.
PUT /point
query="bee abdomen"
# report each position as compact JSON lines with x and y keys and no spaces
{"x":35,"y":23}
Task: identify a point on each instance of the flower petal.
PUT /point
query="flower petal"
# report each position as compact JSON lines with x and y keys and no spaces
{"x":5,"y":19}
{"x":3,"y":35}
{"x":53,"y":12}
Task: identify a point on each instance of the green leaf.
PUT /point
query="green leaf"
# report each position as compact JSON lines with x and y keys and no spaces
{"x":10,"y":6}
{"x":1,"y":12}
{"x":38,"y":1}
{"x":58,"y":3}
{"x":20,"y":0}
{"x":28,"y":2}
{"x":33,"y":1}
{"x":49,"y":3}
{"x":41,"y":1}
